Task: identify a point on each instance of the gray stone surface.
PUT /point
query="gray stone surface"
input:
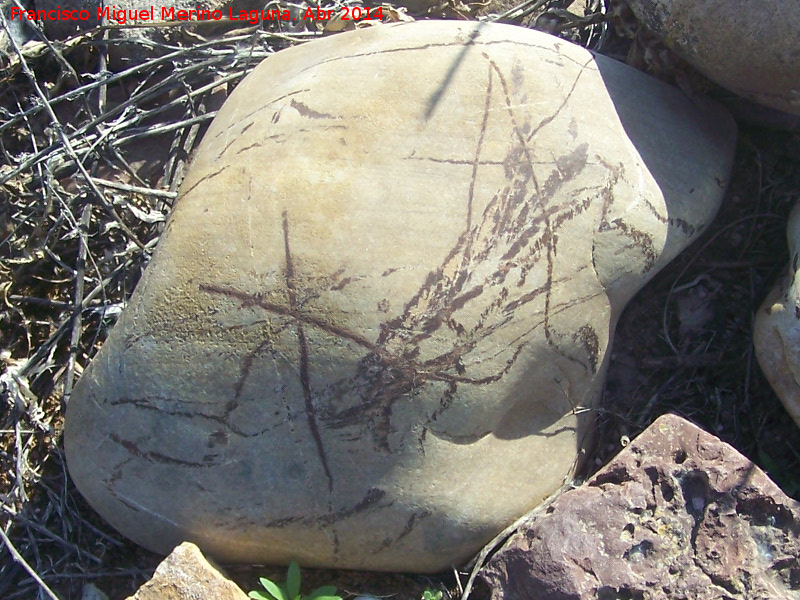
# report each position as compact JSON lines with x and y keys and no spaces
{"x":187,"y":575}
{"x":676,"y":515}
{"x":776,"y":333}
{"x":751,"y":49}
{"x":392,"y":274}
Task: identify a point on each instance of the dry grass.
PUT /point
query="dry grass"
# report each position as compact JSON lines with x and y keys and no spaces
{"x":92,"y":150}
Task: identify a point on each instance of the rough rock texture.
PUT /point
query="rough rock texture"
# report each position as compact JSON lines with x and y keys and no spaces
{"x":776,"y":332}
{"x":751,"y":49}
{"x":393,"y":271}
{"x":186,"y":575}
{"x":678,"y":514}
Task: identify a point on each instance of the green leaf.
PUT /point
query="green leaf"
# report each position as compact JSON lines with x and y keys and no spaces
{"x":257,"y":596}
{"x":326,"y":592}
{"x":293,"y":580}
{"x":274,"y":589}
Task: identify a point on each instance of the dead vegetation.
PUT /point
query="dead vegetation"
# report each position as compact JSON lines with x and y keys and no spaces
{"x":94,"y":141}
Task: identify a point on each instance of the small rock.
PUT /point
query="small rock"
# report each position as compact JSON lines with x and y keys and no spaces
{"x":752,"y":49}
{"x":391,"y":276}
{"x":677,"y":514}
{"x":187,"y":575}
{"x":776,"y":333}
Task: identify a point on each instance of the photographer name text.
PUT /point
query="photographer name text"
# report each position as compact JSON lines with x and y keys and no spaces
{"x":163,"y":13}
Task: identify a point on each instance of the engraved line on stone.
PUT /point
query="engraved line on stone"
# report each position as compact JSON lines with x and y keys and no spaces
{"x":247,"y":364}
{"x":155,"y":457}
{"x":304,"y":360}
{"x":506,"y":219}
{"x":133,"y":505}
{"x":407,"y":529}
{"x":307,"y":111}
{"x":372,"y":497}
{"x":515,"y":126}
{"x":547,"y":120}
{"x":400,"y":363}
{"x":223,"y":420}
{"x":201,"y":180}
{"x":268,"y":105}
{"x":546,"y":47}
{"x":478,"y":148}
{"x":686,"y":227}
{"x":455,"y":161}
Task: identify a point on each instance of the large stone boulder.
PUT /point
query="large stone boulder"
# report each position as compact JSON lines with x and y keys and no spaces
{"x":678,"y":514}
{"x":384,"y":298}
{"x":776,"y":334}
{"x":753,"y":49}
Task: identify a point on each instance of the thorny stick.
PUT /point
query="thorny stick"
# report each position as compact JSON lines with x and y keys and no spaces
{"x":83,"y":232}
{"x":65,"y":140}
{"x":21,"y":561}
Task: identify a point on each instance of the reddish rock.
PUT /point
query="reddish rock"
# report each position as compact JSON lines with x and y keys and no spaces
{"x":677,"y":515}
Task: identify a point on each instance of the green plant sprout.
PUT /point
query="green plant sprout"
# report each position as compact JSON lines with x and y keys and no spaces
{"x":430,"y":594}
{"x":291,"y":589}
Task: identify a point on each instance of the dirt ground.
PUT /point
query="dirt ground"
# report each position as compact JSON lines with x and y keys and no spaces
{"x":683,"y":345}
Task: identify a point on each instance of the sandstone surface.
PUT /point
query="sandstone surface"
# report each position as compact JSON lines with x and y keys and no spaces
{"x":678,"y":514}
{"x":776,"y":334}
{"x":751,"y":49}
{"x":187,"y":575}
{"x":390,"y":279}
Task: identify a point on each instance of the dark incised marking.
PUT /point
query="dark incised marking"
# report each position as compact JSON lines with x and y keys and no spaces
{"x":547,"y":120}
{"x":342,"y":284}
{"x":155,"y":457}
{"x":314,"y":321}
{"x":283,"y":522}
{"x":268,"y":104}
{"x":305,"y":378}
{"x":247,"y":364}
{"x":370,"y":499}
{"x":686,"y":227}
{"x":223,"y":419}
{"x":588,"y":338}
{"x":476,"y":161}
{"x":455,"y":161}
{"x":409,"y":527}
{"x":472,"y":41}
{"x":641,"y":240}
{"x":518,"y":133}
{"x":307,"y":111}
{"x":518,"y":228}
{"x":201,"y":180}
